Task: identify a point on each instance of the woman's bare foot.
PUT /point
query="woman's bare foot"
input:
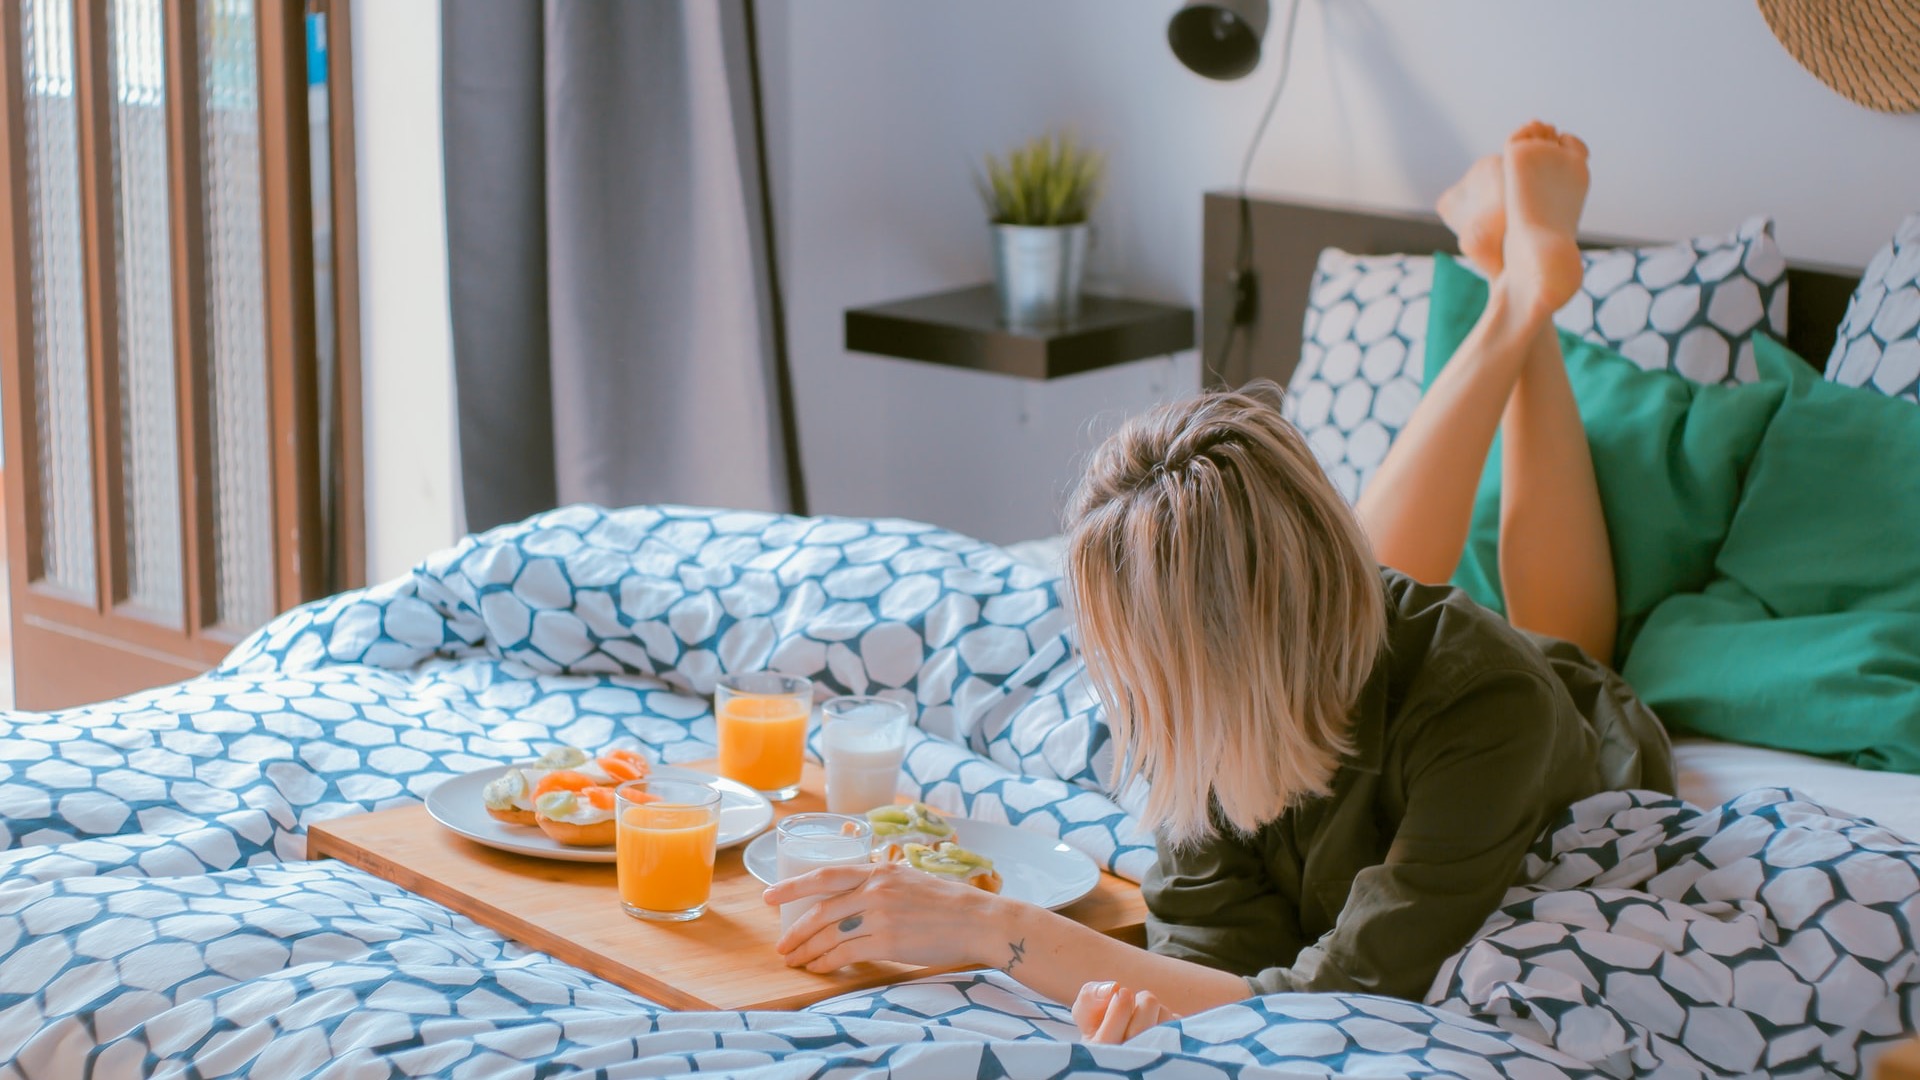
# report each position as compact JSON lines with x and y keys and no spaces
{"x":1546,"y":187}
{"x":1475,"y":208}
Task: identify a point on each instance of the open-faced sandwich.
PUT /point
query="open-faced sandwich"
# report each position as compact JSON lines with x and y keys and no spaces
{"x":512,"y":796}
{"x":573,"y":809}
{"x":954,"y":863}
{"x":509,"y":796}
{"x":896,"y":827}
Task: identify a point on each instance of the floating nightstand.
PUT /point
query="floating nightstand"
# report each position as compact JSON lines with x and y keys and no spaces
{"x":962,"y":328}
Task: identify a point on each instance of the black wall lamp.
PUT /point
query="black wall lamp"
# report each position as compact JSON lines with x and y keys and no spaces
{"x":1219,"y":38}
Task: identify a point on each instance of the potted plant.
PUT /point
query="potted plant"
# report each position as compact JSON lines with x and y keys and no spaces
{"x":1039,"y":198}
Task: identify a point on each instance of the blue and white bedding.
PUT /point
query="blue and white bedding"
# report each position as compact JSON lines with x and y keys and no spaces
{"x":157,"y":917}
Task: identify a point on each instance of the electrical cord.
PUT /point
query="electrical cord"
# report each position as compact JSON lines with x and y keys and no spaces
{"x":1242,"y":281}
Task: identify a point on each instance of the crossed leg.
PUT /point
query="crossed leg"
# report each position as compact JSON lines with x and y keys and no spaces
{"x":1515,"y":215}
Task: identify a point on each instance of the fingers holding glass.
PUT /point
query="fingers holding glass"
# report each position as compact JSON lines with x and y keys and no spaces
{"x":903,"y":914}
{"x":837,"y":918}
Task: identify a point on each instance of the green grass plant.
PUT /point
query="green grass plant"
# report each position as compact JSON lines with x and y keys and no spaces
{"x":1049,"y":180}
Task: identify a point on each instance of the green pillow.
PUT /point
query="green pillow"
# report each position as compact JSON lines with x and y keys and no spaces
{"x":1830,"y":518}
{"x":1668,"y":455}
{"x":1844,"y":684}
{"x":1809,"y":637}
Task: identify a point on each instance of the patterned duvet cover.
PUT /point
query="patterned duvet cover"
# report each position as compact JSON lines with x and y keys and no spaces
{"x":157,"y":917}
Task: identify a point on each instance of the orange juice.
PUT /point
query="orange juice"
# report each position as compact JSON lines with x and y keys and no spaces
{"x":664,"y":835}
{"x":666,"y":856}
{"x":762,"y":740}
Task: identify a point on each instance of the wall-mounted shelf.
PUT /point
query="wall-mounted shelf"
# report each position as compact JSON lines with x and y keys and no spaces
{"x":962,"y":328}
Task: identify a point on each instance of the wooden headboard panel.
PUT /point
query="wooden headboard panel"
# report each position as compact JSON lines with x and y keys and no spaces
{"x":1287,"y":239}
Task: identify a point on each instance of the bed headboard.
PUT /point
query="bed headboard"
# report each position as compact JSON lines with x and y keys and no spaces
{"x":1287,"y":239}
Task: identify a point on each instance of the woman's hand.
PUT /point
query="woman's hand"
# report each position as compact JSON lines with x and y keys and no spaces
{"x":1107,"y":1013}
{"x":890,"y":911}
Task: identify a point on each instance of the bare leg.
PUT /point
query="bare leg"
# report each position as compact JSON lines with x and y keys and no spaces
{"x":1556,"y":565}
{"x":1419,"y":504}
{"x":1515,"y":216}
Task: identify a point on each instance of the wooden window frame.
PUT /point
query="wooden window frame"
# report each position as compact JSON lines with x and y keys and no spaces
{"x":110,"y":646}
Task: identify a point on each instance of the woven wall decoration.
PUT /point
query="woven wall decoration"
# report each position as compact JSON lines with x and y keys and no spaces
{"x":1868,"y":51}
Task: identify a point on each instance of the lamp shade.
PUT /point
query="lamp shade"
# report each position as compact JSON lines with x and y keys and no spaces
{"x":1219,"y":38}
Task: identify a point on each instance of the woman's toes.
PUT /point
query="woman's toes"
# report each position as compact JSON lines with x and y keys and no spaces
{"x":1532,"y":130}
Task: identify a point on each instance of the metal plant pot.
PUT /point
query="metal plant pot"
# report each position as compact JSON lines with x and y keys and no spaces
{"x":1038,"y":270}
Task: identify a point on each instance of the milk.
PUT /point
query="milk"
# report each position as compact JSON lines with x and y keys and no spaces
{"x":798,"y":854}
{"x":863,"y":745}
{"x":863,"y":768}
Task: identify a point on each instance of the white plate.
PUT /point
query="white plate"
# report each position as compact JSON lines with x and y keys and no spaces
{"x":744,"y":813}
{"x":1033,"y":867}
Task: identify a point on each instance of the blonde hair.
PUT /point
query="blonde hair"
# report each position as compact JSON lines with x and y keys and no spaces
{"x":1228,"y":607}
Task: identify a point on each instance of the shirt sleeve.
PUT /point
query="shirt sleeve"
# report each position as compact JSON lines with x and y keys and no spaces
{"x":1476,"y":799}
{"x":1215,"y":904}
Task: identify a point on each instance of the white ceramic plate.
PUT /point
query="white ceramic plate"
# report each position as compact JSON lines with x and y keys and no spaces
{"x":1033,"y":867}
{"x":744,"y":814}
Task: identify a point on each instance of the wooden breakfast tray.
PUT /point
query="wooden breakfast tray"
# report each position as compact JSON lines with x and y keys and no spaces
{"x":571,"y":911}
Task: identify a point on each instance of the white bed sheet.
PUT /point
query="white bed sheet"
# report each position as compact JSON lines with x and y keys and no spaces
{"x":1711,"y":772}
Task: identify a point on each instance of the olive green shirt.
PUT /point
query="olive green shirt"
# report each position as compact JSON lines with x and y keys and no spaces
{"x":1468,"y":738}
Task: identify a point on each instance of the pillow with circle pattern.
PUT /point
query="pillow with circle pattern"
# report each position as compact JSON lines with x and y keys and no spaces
{"x":1690,"y":307}
{"x":1879,"y":341}
{"x":1361,"y":360}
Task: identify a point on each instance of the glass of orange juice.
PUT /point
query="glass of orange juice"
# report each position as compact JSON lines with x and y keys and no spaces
{"x":762,"y":719}
{"x":663,"y":847}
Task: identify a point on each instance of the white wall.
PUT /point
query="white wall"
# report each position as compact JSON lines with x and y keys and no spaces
{"x":881,"y":108}
{"x":1695,"y":115}
{"x":888,"y":107}
{"x":405,"y":334}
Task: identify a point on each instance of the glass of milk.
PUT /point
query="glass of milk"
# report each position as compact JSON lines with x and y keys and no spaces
{"x":806,"y":842}
{"x":863,"y":740}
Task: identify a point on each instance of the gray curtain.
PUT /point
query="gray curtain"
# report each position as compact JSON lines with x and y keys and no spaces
{"x":616,"y":315}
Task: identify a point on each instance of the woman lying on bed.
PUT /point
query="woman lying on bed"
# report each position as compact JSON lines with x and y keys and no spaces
{"x":1346,"y":765}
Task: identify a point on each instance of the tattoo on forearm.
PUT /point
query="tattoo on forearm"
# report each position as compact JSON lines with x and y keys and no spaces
{"x":851,"y":923}
{"x":1019,"y":950}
